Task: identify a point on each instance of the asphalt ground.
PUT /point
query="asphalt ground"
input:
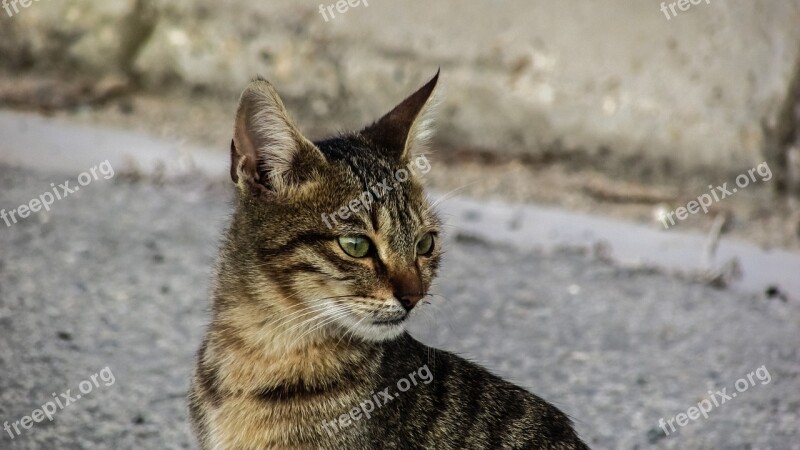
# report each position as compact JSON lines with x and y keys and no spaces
{"x":117,"y":276}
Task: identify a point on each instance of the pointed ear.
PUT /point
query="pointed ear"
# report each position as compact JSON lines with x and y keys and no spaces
{"x":268,"y":152}
{"x":408,"y":125}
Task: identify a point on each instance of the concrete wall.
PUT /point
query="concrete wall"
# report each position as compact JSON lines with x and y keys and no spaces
{"x":613,"y":80}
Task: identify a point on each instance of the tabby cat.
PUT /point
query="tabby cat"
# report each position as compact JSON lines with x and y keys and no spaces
{"x":307,"y":347}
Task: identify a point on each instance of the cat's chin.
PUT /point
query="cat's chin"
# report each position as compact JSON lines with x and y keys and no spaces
{"x":377,"y":331}
{"x":380,"y":332}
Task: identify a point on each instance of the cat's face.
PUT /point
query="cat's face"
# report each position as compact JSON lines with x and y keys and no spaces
{"x":338,"y":234}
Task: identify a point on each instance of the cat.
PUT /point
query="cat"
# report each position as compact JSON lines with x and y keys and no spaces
{"x":307,"y":347}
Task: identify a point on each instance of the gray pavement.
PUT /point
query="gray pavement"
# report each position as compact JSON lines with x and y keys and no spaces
{"x":117,"y":275}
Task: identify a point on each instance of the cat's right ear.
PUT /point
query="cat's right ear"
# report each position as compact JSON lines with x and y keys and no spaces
{"x":268,"y":152}
{"x":406,"y":128}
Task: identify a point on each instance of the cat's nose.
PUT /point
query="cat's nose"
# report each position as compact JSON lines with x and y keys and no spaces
{"x":409,"y":300}
{"x":407,"y":288}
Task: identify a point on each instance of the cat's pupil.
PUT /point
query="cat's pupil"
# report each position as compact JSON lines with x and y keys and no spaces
{"x":355,"y":246}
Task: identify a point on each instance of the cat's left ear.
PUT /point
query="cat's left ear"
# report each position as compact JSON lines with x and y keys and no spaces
{"x":268,"y":151}
{"x":408,"y":126}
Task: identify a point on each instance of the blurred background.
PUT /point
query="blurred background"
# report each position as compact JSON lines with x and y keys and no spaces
{"x":566,"y":131}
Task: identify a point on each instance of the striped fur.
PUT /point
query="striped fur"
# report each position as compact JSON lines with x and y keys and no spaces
{"x":298,"y":334}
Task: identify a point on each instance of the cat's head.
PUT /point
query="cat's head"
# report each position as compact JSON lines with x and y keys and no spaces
{"x":335,"y":236}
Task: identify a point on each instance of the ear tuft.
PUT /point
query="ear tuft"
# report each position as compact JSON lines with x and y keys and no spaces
{"x":268,"y":149}
{"x":409,"y":125}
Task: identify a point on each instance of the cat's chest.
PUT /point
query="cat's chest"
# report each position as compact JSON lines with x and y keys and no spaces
{"x":264,"y":422}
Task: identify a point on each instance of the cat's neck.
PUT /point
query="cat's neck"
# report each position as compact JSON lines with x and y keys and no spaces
{"x":258,"y":352}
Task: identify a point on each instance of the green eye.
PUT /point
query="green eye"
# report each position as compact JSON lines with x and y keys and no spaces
{"x":355,"y":246}
{"x":425,"y":245}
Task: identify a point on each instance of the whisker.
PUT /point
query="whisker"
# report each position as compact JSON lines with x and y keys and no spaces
{"x":303,"y":311}
{"x":354,"y":330}
{"x":322,"y":309}
{"x":350,"y":330}
{"x":304,"y":323}
{"x":297,"y":326}
{"x":315,"y":309}
{"x":336,"y":316}
{"x":437,"y":309}
{"x":284,"y":320}
{"x":449,"y":195}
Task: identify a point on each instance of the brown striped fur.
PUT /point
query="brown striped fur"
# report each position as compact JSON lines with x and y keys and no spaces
{"x":299,"y":333}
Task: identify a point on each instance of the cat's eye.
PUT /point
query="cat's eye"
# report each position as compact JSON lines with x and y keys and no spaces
{"x":355,"y":246}
{"x":425,"y":245}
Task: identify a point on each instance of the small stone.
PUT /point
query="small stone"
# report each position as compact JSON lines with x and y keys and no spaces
{"x":64,"y":335}
{"x":655,"y":434}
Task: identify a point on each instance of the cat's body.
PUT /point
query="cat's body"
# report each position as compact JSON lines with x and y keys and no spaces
{"x":308,"y":323}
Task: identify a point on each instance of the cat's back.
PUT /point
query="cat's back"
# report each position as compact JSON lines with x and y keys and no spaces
{"x":462,"y":407}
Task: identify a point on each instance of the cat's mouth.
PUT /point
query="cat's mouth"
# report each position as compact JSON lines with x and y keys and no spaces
{"x":391,"y":322}
{"x":381,"y":323}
